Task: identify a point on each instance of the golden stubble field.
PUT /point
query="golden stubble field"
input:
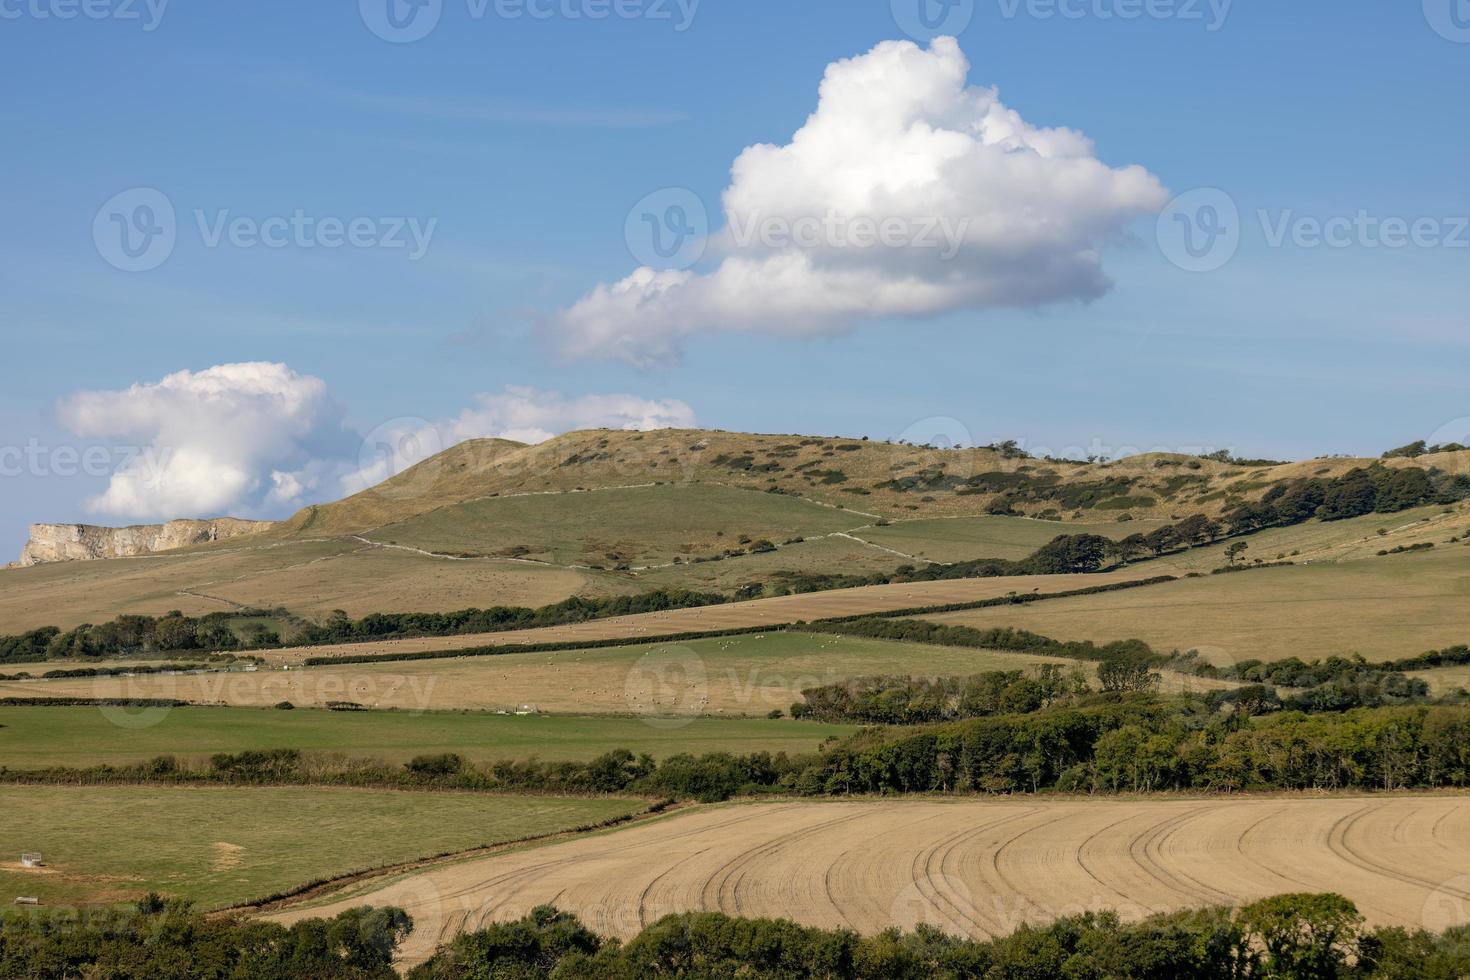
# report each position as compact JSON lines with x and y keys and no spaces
{"x":1395,"y":606}
{"x":747,"y":675}
{"x":976,"y":868}
{"x":736,"y":615}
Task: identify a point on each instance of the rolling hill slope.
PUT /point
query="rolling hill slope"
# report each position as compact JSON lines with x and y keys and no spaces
{"x":603,"y":512}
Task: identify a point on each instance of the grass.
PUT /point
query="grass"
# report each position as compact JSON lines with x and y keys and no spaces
{"x":817,"y":556}
{"x":636,"y":526}
{"x":1380,"y":607}
{"x":227,"y":845}
{"x":962,"y":538}
{"x":35,"y":737}
{"x":1334,"y":541}
{"x":733,"y":676}
{"x":309,"y":577}
{"x":1445,"y":680}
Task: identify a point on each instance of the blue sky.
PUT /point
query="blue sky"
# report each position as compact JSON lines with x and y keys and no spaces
{"x":526,"y":140}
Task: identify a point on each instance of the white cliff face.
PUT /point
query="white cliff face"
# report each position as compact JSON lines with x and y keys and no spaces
{"x":86,"y":542}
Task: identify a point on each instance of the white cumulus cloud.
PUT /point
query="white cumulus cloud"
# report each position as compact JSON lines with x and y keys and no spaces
{"x":261,"y":440}
{"x":908,"y":192}
{"x":244,"y":439}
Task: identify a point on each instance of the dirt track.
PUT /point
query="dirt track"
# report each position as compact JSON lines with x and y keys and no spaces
{"x":975,"y":868}
{"x":738,"y":615}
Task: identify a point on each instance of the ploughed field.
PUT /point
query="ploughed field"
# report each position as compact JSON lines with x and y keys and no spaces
{"x":974,"y":868}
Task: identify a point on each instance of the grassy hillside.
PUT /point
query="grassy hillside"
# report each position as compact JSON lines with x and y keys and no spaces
{"x":222,"y":846}
{"x":618,"y":528}
{"x":881,"y":478}
{"x":533,"y":535}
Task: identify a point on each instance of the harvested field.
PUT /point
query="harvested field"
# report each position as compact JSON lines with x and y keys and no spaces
{"x":1383,"y":608}
{"x":311,"y":577}
{"x":976,"y":868}
{"x":731,"y":676}
{"x":738,"y":615}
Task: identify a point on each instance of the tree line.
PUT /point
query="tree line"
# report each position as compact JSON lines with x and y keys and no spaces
{"x":1285,"y":937}
{"x":170,"y":940}
{"x":1127,"y":742}
{"x":176,"y":633}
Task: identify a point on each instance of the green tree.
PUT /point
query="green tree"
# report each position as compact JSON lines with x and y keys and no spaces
{"x":1306,"y":936}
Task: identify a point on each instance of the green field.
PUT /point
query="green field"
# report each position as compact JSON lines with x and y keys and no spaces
{"x":638,"y":526}
{"x":35,"y":737}
{"x":228,"y":845}
{"x":1395,"y":606}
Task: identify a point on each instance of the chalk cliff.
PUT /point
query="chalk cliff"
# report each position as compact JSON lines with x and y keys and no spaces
{"x":86,"y":542}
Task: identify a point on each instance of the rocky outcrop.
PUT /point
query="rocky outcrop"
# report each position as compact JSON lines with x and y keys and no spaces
{"x":86,"y":542}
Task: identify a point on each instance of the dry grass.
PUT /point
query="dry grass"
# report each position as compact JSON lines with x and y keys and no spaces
{"x":1379,"y":607}
{"x":737,"y":615}
{"x":738,"y":675}
{"x":310,"y":578}
{"x":1445,"y":680}
{"x":976,"y":868}
{"x":637,"y":526}
{"x":963,"y":538}
{"x":727,"y":677}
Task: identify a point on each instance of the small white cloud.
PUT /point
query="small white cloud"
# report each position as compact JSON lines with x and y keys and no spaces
{"x":906,"y":193}
{"x":519,"y":414}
